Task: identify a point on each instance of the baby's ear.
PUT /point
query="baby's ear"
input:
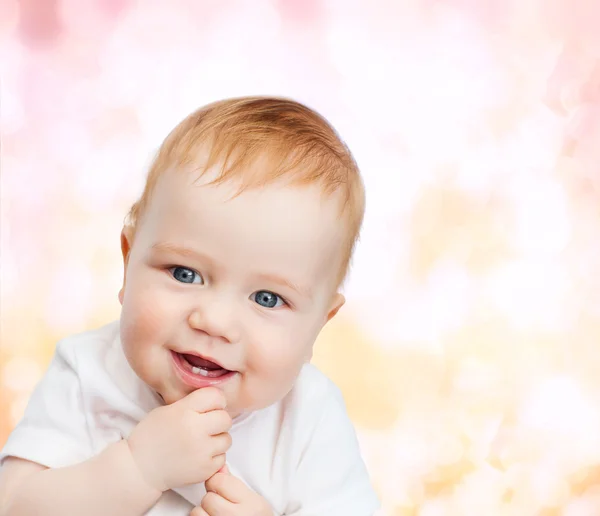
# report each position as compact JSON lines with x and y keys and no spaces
{"x":126,"y":241}
{"x":337,"y":302}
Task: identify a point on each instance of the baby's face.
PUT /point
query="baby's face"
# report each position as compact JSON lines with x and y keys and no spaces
{"x":244,"y":283}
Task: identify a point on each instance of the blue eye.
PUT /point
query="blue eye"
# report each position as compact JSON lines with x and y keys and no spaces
{"x":185,"y":275}
{"x":268,"y":299}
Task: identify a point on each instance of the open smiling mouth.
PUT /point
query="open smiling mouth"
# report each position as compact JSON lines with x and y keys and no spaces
{"x":200,"y":372}
{"x":201,"y":366}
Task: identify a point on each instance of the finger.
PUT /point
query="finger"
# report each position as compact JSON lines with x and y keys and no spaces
{"x":198,"y":511}
{"x":227,"y":486}
{"x":215,"y":504}
{"x":217,"y":421}
{"x":220,"y":443}
{"x":204,"y":400}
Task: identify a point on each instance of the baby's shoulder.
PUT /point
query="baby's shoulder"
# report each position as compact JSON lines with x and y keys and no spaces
{"x":85,"y":348}
{"x":313,"y":394}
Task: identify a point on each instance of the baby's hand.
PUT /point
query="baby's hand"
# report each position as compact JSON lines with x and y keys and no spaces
{"x":183,"y":443}
{"x":227,"y":495}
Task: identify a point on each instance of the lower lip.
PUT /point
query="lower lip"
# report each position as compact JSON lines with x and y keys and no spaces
{"x":195,"y":380}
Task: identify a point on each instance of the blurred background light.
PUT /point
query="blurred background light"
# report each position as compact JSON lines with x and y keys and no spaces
{"x":468,"y":350}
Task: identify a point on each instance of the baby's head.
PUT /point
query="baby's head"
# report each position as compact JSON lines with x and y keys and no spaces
{"x":236,"y":250}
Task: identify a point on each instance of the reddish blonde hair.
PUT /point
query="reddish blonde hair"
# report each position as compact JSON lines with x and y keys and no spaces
{"x":301,"y":146}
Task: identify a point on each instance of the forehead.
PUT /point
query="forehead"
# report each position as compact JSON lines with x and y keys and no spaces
{"x":295,"y":229}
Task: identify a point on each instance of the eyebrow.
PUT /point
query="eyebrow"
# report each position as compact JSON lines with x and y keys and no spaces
{"x":269,"y":278}
{"x":187,"y":252}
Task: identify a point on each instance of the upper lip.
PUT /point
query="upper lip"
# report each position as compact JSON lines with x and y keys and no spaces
{"x":204,"y":357}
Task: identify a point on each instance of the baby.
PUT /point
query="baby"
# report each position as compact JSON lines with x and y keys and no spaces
{"x":201,"y":400}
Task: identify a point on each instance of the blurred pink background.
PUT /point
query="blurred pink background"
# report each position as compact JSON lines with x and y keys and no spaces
{"x":469,"y":350}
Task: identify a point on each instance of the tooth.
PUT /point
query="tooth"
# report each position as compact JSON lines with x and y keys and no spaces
{"x":197,"y":370}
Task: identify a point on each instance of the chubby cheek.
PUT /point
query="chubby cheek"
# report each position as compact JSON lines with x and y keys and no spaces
{"x":274,"y":361}
{"x":146,"y":328}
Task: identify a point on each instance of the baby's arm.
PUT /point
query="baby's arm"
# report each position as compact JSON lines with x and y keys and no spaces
{"x":47,"y":466}
{"x":110,"y":483}
{"x":173,"y":446}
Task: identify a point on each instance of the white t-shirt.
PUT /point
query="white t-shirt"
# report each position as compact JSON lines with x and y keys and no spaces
{"x":301,"y":454}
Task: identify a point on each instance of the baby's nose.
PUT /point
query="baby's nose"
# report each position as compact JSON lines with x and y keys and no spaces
{"x":216,"y":319}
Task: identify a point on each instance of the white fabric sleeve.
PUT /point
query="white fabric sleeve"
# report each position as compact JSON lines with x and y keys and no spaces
{"x":332,"y":478}
{"x":53,"y":431}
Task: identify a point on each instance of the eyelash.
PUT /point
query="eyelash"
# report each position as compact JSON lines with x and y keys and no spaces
{"x":172,"y":268}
